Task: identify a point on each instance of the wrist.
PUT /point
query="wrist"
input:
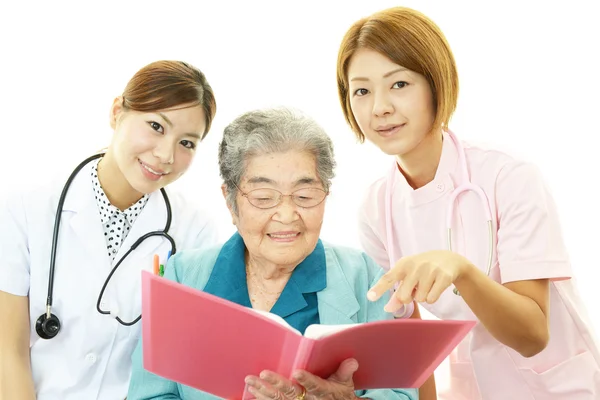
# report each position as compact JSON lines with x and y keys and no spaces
{"x":466,"y":272}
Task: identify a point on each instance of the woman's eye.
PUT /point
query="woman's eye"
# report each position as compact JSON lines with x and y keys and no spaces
{"x":156,"y":126}
{"x":399,"y":85}
{"x":360,"y":92}
{"x":188,"y":145}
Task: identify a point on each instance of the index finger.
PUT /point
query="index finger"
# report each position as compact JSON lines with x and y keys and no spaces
{"x":386,"y":282}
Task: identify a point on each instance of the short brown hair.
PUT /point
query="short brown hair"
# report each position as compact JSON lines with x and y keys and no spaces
{"x":411,"y":40}
{"x":167,"y":84}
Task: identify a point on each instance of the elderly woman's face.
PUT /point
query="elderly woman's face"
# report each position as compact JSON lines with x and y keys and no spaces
{"x":286,"y":233}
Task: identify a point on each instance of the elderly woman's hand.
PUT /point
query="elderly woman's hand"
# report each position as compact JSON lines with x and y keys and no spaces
{"x":339,"y":386}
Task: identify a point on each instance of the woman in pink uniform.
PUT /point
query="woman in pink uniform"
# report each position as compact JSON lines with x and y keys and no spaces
{"x":466,"y":232}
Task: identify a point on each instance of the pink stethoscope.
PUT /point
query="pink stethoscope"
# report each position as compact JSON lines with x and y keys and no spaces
{"x":464,"y":186}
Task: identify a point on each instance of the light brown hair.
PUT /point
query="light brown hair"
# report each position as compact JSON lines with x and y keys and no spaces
{"x":410,"y":39}
{"x":163,"y":85}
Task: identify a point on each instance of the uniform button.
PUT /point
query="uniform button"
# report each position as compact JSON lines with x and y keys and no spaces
{"x":114,"y":251}
{"x":439,"y":187}
{"x":91,"y":358}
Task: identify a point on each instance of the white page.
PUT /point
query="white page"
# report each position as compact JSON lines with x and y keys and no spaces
{"x":317,"y":331}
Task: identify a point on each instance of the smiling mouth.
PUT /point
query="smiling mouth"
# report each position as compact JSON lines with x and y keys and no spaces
{"x":389,"y":130}
{"x":283,"y":235}
{"x":151,"y":170}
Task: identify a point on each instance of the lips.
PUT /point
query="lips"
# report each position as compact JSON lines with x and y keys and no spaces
{"x":283,"y":235}
{"x":154,"y":170}
{"x":388,"y":130}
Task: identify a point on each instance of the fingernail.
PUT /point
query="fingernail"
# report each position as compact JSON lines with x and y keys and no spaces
{"x":371,"y":295}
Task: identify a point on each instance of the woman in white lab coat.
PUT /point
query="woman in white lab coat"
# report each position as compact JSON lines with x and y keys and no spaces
{"x":80,"y":347}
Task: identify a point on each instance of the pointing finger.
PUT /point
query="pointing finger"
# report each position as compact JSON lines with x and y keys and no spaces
{"x":386,"y":282}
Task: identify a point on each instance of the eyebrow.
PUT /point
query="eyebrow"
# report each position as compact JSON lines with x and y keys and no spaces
{"x":193,"y":134}
{"x":386,"y":75}
{"x":163,"y":116}
{"x":302,"y":181}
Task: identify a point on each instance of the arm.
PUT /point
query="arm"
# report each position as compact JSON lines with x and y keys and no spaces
{"x":515,"y":313}
{"x":16,"y":381}
{"x":530,"y":253}
{"x":15,"y":366}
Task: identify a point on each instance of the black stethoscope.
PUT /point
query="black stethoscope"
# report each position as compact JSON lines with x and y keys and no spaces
{"x":47,"y":325}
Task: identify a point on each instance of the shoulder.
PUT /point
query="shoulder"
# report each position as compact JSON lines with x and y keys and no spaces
{"x":183,"y":205}
{"x":372,"y":203}
{"x":375,"y":192}
{"x":192,"y":267}
{"x":354,"y":264}
{"x":192,"y":219}
{"x":485,"y":159}
{"x":32,"y":198}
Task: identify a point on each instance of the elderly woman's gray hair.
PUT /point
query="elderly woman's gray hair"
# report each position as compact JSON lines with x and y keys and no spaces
{"x":274,"y":130}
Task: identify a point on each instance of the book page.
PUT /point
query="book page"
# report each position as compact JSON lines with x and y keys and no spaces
{"x":277,"y":319}
{"x":318,"y":331}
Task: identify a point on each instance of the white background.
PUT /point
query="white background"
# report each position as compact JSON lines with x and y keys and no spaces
{"x":529,"y":75}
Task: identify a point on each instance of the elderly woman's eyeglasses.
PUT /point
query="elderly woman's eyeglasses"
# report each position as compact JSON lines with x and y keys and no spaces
{"x":269,"y":198}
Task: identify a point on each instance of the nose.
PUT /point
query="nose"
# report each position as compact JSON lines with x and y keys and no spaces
{"x":382,"y":104}
{"x":286,"y":211}
{"x":165,"y":151}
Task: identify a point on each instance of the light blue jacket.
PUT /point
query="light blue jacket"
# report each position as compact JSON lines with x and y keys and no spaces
{"x":350,"y":273}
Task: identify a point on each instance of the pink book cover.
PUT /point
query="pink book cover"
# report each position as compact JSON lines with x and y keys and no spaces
{"x":211,"y":344}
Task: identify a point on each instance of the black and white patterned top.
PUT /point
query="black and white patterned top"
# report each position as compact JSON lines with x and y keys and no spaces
{"x":116,"y":224}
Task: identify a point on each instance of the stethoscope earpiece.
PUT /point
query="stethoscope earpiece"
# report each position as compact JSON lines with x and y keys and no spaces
{"x":46,"y":327}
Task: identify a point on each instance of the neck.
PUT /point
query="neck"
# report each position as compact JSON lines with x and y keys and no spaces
{"x":420,"y":165}
{"x":269,"y":272}
{"x":118,"y":191}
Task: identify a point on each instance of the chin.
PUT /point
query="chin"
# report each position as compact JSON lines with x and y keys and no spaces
{"x":288,"y":258}
{"x":144,"y":187}
{"x":395,"y":149}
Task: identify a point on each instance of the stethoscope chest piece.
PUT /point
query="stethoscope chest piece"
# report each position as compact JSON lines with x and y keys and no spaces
{"x":47,"y":327}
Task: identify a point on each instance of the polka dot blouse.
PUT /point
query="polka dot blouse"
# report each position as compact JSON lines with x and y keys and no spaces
{"x":116,"y":224}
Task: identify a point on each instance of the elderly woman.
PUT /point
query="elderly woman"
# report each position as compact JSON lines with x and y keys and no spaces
{"x":277,"y":167}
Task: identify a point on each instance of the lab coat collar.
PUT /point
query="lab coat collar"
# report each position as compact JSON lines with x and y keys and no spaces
{"x":80,"y":200}
{"x":85,"y":222}
{"x":441,"y":184}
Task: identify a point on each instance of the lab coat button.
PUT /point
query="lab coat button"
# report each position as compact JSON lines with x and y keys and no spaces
{"x":91,"y":358}
{"x":439,"y":187}
{"x":114,"y":251}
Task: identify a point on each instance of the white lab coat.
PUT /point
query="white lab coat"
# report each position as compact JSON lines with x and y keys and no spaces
{"x":90,"y":358}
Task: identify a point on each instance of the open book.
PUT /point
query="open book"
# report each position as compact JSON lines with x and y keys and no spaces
{"x":212,"y":344}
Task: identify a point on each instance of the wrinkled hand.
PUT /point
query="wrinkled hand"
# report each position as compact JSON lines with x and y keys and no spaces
{"x":339,"y":386}
{"x":423,"y":277}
